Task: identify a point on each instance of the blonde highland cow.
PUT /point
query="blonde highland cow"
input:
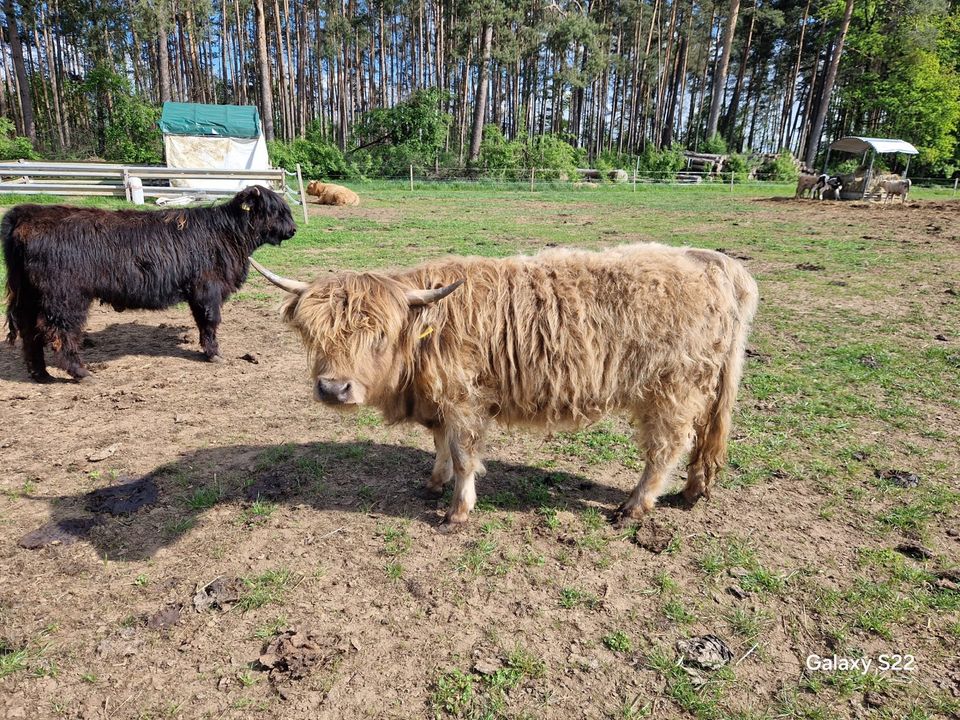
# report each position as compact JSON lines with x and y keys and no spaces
{"x":556,"y":340}
{"x":330,"y":194}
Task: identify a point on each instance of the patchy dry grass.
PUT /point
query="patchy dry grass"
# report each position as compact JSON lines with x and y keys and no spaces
{"x":538,"y":608}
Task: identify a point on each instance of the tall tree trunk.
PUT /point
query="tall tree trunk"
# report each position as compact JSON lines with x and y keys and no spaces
{"x":480,"y":103}
{"x":163,"y":53}
{"x":720,"y":76}
{"x":28,"y":126}
{"x":263,"y":60}
{"x":816,"y":129}
{"x":783,"y":140}
{"x":730,"y":121}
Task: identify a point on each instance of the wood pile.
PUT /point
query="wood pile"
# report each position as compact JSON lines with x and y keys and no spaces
{"x":618,"y":176}
{"x":705,"y":163}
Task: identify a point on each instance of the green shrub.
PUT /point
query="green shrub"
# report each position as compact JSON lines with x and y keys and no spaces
{"x":715,"y":145}
{"x":499,"y":157}
{"x":782,"y":168}
{"x":132,"y":134}
{"x":410,"y":133}
{"x":740,"y":165}
{"x":13,"y":146}
{"x":319,"y":160}
{"x":663,"y":163}
{"x":553,"y":157}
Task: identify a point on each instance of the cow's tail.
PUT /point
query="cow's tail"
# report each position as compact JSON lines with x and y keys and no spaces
{"x":14,"y":260}
{"x":709,"y":454}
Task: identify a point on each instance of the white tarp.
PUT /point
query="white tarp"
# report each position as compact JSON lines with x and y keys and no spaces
{"x":221,"y":153}
{"x":854,"y":144}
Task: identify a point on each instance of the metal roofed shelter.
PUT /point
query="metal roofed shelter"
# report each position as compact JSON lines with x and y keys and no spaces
{"x":874,"y":146}
{"x":221,"y":137}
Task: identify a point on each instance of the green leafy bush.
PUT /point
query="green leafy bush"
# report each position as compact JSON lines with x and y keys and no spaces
{"x":410,"y":133}
{"x":783,"y":168}
{"x":662,"y":163}
{"x":500,"y":157}
{"x":553,"y":157}
{"x":132,"y":134}
{"x":125,"y":126}
{"x":715,"y":145}
{"x":740,"y":164}
{"x":13,"y":146}
{"x":319,"y":160}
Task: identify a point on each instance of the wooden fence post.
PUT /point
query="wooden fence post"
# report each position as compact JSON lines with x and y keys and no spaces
{"x":303,"y":196}
{"x":411,"y":178}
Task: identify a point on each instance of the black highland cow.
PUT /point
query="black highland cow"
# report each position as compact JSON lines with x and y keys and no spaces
{"x":60,"y":258}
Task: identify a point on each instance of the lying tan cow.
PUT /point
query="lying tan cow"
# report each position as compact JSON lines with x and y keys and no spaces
{"x":330,"y":194}
{"x":556,"y":340}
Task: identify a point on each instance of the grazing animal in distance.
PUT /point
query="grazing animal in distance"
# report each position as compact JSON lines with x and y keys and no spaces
{"x":330,"y":194}
{"x":828,"y":188}
{"x":892,"y":188}
{"x":808,"y":183}
{"x":61,"y":258}
{"x":556,"y":340}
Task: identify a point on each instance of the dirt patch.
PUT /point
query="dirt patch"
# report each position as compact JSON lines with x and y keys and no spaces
{"x":231,"y":472}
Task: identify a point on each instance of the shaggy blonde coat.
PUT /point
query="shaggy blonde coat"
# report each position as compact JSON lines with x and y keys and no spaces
{"x":330,"y":194}
{"x":559,"y":339}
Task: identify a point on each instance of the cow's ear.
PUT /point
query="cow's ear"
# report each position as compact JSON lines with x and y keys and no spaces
{"x":416,"y":298}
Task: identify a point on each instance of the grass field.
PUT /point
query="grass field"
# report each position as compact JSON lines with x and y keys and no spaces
{"x":540,"y":608}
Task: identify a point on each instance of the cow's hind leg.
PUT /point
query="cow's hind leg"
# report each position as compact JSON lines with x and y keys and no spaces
{"x":665,"y":438}
{"x":63,"y":330}
{"x":27,"y":319}
{"x":443,"y":466}
{"x":206,"y":312}
{"x":466,"y":466}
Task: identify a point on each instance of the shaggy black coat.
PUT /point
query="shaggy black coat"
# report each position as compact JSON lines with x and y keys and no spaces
{"x":60,"y":258}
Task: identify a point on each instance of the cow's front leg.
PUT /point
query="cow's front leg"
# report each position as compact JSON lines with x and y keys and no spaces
{"x":206,"y":313}
{"x":443,"y":466}
{"x":466,"y":463}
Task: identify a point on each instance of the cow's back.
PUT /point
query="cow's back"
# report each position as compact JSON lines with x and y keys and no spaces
{"x":566,"y":336}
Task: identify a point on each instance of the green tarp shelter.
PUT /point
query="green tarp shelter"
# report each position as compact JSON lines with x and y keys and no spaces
{"x":216,"y":137}
{"x":238,"y":121}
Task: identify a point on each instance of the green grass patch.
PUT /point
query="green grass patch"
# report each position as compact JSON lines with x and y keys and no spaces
{"x":267,"y":588}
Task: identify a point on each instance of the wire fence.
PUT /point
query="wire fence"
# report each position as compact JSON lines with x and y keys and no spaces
{"x":533,"y":179}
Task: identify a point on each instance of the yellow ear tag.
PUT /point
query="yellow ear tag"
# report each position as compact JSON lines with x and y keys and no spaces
{"x":426,"y":333}
{"x":245,"y":207}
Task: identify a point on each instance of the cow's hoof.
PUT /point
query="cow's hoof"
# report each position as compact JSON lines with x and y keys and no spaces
{"x":447,"y":528}
{"x":626,"y":514}
{"x":42,"y":378}
{"x":433,"y":488}
{"x":87,"y":379}
{"x":692,"y":495}
{"x":216,"y":358}
{"x":456,"y":518}
{"x":80,"y":374}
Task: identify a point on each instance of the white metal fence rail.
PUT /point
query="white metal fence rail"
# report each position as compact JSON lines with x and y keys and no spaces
{"x":111,"y":180}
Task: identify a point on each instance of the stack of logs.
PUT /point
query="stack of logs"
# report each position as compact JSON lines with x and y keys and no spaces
{"x":705,"y":163}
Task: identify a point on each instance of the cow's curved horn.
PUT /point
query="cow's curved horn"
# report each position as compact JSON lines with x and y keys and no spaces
{"x":291,"y":286}
{"x":425,"y":297}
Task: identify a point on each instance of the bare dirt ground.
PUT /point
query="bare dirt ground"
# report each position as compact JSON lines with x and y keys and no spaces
{"x":242,"y":476}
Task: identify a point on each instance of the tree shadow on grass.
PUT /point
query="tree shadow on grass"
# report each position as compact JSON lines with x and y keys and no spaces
{"x":135,"y":517}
